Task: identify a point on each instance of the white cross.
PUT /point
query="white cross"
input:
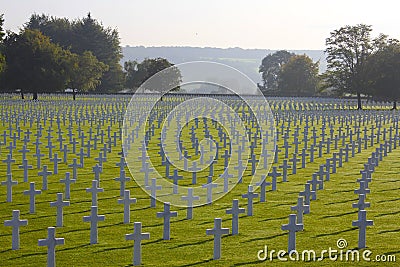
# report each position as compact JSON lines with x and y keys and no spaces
{"x":301,"y":209}
{"x":122,"y":179}
{"x":153,"y":191}
{"x":51,"y":242}
{"x":362,"y":224}
{"x":9,"y":183}
{"x":15,"y":223}
{"x":190,"y":198}
{"x":60,"y":204}
{"x":235,"y":211}
{"x":32,"y":193}
{"x":250,"y":195}
{"x":127,"y":201}
{"x":94,"y":218}
{"x":217,"y":231}
{"x":94,"y":190}
{"x":137,"y":237}
{"x":167,"y":214}
{"x":67,"y":181}
{"x":292,"y":227}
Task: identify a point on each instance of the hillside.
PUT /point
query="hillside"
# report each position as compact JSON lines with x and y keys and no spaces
{"x":245,"y":60}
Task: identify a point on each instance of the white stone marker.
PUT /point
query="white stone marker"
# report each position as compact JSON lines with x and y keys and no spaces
{"x":137,"y":237}
{"x":60,"y":204}
{"x":217,"y":232}
{"x":15,"y":223}
{"x":167,"y":214}
{"x":94,"y":218}
{"x":51,"y":242}
{"x":32,"y":195}
{"x":235,"y":211}
{"x":292,"y":227}
{"x":127,"y":201}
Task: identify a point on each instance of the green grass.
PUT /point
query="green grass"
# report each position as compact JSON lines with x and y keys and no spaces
{"x":330,"y":218}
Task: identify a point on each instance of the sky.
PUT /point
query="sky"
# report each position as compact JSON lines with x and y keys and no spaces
{"x":264,"y":24}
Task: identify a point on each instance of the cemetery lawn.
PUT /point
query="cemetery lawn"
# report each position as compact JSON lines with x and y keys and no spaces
{"x":330,"y":218}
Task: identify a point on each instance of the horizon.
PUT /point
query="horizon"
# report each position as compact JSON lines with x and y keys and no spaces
{"x":284,"y":25}
{"x":214,"y":47}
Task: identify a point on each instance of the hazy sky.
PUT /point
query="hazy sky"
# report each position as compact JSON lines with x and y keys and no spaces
{"x":278,"y":24}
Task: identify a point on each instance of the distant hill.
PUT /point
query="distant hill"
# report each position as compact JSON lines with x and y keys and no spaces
{"x":245,"y":60}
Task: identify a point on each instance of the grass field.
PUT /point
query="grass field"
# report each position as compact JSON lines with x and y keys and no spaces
{"x":330,"y":218}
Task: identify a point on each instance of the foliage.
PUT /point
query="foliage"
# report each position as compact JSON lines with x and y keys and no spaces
{"x":347,"y":51}
{"x":271,"y":67}
{"x":82,"y":35}
{"x":383,"y":70}
{"x":2,"y":34}
{"x":299,"y":76}
{"x":35,"y":64}
{"x":137,"y":73}
{"x":87,"y":72}
{"x":2,"y":58}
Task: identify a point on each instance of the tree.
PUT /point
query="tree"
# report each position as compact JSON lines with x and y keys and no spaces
{"x":271,"y":67}
{"x":383,"y":70}
{"x":82,"y":35}
{"x":2,"y":34}
{"x":104,"y":43}
{"x":299,"y":76}
{"x":347,"y":51}
{"x":86,"y":73}
{"x":35,"y":64}
{"x":137,"y":73}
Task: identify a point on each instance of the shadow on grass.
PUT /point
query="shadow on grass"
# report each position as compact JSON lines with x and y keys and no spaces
{"x":197,"y":243}
{"x":264,"y":238}
{"x":388,"y":214}
{"x":343,"y":191}
{"x":387,"y":190}
{"x":390,"y":200}
{"x":152,"y":242}
{"x":108,"y":225}
{"x":339,"y":215}
{"x":389,"y":231}
{"x":273,"y":219}
{"x":197,"y":263}
{"x":340,"y":202}
{"x":115,"y":248}
{"x":73,"y":248}
{"x":29,"y":255}
{"x":144,"y":208}
{"x":338,"y":232}
{"x":247,"y":263}
{"x":4,"y":251}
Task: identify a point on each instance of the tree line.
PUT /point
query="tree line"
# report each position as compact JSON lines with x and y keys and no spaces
{"x":357,"y":64}
{"x":51,"y":54}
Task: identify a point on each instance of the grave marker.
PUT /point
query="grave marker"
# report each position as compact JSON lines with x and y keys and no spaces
{"x":235,"y":211}
{"x":15,"y":223}
{"x":217,"y":232}
{"x":127,"y":201}
{"x":167,"y":214}
{"x":94,"y":218}
{"x":137,"y":237}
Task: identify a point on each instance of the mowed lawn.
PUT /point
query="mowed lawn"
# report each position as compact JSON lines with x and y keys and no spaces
{"x":330,"y":218}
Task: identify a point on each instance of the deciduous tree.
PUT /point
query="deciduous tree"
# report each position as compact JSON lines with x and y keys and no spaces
{"x":35,"y":64}
{"x":271,"y":67}
{"x":298,"y":77}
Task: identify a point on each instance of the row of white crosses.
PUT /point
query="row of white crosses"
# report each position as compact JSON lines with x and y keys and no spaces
{"x":250,"y":194}
{"x":303,"y":204}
